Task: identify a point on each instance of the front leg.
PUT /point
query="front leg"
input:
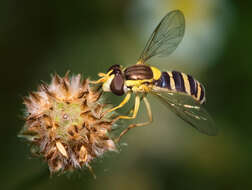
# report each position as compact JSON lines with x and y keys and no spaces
{"x":101,"y":80}
{"x":125,"y":100}
{"x":104,"y":78}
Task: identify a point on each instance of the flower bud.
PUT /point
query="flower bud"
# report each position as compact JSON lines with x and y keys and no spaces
{"x":66,"y":125}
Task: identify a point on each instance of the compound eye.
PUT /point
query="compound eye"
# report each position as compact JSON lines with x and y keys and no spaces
{"x":117,"y":85}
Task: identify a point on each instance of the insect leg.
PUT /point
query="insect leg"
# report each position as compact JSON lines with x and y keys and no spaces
{"x":147,"y":104}
{"x":91,"y":171}
{"x":125,"y":100}
{"x":136,"y":108}
{"x":101,"y":80}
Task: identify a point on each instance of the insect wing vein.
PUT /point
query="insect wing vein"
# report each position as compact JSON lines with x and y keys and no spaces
{"x":187,"y":109}
{"x":166,"y":36}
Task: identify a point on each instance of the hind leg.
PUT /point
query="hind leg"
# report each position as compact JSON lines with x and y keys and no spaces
{"x":147,"y":104}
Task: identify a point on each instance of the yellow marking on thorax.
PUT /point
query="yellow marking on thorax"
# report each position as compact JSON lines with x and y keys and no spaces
{"x":187,"y":84}
{"x":143,"y":89}
{"x":138,"y":85}
{"x":156,"y":73}
{"x":199,"y":90}
{"x":137,"y":82}
{"x":172,"y":83}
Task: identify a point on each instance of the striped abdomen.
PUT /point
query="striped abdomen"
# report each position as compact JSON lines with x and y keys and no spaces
{"x":182,"y":82}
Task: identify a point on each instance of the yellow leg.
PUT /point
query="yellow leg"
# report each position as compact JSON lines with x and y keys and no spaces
{"x":101,"y":80}
{"x":147,"y":104}
{"x":102,"y":75}
{"x":125,"y":100}
{"x":136,"y":108}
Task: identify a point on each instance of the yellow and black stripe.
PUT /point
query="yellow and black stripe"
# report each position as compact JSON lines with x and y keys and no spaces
{"x":181,"y":82}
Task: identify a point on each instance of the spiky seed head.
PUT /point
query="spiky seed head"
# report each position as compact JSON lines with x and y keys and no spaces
{"x":66,"y":124}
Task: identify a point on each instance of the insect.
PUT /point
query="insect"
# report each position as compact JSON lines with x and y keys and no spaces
{"x":180,"y":92}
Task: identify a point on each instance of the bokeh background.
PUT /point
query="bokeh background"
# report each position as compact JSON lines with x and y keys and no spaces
{"x":38,"y":38}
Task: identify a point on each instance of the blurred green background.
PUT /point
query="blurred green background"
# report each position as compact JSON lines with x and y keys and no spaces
{"x":38,"y":38}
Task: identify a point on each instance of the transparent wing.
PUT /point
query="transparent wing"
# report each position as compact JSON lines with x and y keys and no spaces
{"x":166,"y":36}
{"x":187,"y":109}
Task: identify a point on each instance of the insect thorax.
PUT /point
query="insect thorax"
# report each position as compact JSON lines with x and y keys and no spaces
{"x":138,"y":72}
{"x":140,"y":77}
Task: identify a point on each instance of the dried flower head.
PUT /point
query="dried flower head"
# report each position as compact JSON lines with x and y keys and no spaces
{"x":66,"y":125}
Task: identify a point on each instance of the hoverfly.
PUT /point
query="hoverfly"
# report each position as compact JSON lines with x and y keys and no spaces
{"x":180,"y":92}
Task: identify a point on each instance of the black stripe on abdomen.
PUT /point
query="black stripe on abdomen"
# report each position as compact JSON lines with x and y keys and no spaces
{"x":202,"y":93}
{"x":179,"y":81}
{"x":163,"y":81}
{"x":182,"y":82}
{"x":193,"y":85}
